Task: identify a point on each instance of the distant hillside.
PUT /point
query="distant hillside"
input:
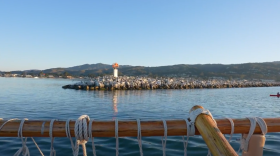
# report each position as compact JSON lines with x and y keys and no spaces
{"x":74,"y":70}
{"x":84,"y":67}
{"x":267,"y":70}
{"x":93,"y":67}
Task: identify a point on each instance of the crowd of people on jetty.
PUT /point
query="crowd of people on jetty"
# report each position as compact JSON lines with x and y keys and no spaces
{"x":136,"y":83}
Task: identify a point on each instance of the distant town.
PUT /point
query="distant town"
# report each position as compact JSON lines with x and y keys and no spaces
{"x":40,"y":75}
{"x":67,"y":76}
{"x":266,"y":71}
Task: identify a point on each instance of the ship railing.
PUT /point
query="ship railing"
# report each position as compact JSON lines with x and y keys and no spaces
{"x":212,"y":131}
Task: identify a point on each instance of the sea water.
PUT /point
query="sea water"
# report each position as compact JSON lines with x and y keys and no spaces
{"x":45,"y":99}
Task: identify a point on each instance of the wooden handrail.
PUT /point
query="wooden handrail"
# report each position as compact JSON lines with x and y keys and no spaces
{"x":32,"y":128}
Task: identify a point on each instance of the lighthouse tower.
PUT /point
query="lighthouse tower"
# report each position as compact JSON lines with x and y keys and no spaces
{"x":115,"y":67}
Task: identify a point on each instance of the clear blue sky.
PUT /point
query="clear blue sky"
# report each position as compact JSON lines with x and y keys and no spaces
{"x":41,"y":34}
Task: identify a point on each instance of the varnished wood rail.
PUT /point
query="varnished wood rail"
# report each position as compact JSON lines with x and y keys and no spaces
{"x":32,"y":128}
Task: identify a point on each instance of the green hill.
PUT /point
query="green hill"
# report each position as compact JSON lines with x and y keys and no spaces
{"x":266,"y":70}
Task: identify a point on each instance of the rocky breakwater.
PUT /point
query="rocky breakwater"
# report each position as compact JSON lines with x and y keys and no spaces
{"x":138,"y":83}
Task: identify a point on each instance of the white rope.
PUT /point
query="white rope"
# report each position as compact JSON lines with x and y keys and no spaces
{"x":139,"y":136}
{"x":188,"y":134}
{"x":6,"y":122}
{"x":191,"y":126}
{"x":117,"y":136}
{"x":24,"y":149}
{"x":244,"y":142}
{"x":232,"y":128}
{"x":52,"y":151}
{"x":197,"y":112}
{"x":42,"y":128}
{"x":262,"y":125}
{"x":209,"y":153}
{"x":81,"y":134}
{"x":68,"y":134}
{"x":92,"y":139}
{"x":163,"y":141}
{"x":37,"y":146}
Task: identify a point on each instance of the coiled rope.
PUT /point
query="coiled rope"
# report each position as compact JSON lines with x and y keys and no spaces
{"x":81,"y":134}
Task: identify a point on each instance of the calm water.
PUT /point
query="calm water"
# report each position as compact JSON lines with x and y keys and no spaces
{"x":45,"y":99}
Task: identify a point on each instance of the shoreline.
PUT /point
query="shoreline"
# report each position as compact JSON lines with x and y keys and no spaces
{"x":128,"y":83}
{"x":78,"y":87}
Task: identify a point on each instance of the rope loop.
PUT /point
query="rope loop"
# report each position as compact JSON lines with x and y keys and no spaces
{"x":68,"y":134}
{"x":232,"y":128}
{"x":262,"y":125}
{"x":195,"y":113}
{"x":90,"y":135}
{"x":6,"y":122}
{"x":52,"y":151}
{"x":163,"y":141}
{"x":43,"y":127}
{"x":188,"y":134}
{"x":244,"y":142}
{"x":190,"y":128}
{"x":24,"y":149}
{"x":139,"y":136}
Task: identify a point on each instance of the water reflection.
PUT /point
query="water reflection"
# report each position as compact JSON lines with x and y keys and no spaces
{"x":115,"y":103}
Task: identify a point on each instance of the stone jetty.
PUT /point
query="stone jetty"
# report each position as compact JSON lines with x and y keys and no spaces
{"x":138,"y":83}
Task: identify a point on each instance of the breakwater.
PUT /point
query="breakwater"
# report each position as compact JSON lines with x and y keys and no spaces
{"x":138,"y":83}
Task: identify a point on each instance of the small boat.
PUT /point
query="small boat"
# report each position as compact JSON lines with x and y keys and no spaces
{"x":278,"y":95}
{"x":36,"y":77}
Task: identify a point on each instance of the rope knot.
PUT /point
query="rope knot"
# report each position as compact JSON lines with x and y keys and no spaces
{"x":192,"y":117}
{"x":81,"y":142}
{"x":190,"y":121}
{"x":81,"y":133}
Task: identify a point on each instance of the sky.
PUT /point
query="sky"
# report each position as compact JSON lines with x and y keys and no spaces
{"x":64,"y":33}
